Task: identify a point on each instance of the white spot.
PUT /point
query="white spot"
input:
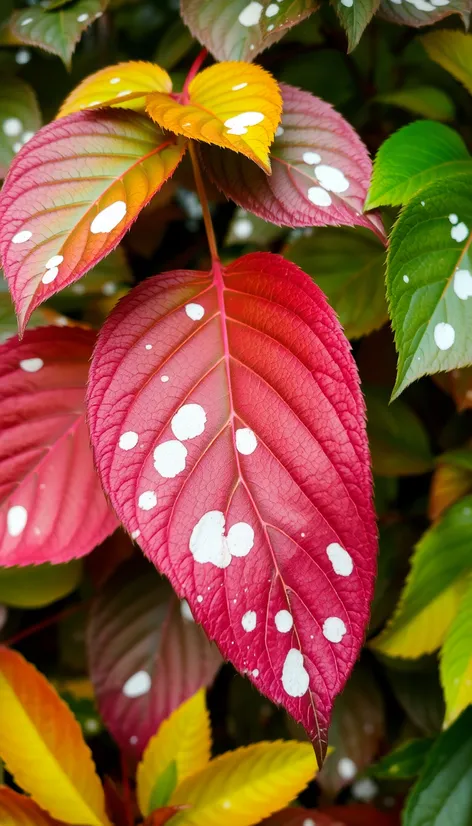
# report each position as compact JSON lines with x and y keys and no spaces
{"x":82,"y":18}
{"x":311,"y":158}
{"x":243,"y":228}
{"x":23,"y":56}
{"x":148,"y":346}
{"x":444,"y":335}
{"x":347,"y":769}
{"x":50,"y":275}
{"x":124,"y":92}
{"x":453,"y":218}
{"x":255,"y":672}
{"x":251,"y":14}
{"x":188,"y":422}
{"x":21,"y":237}
{"x":199,"y":598}
{"x":238,"y":87}
{"x":364,"y":789}
{"x":207,"y":541}
{"x":31,"y":365}
{"x":308,"y":822}
{"x":249,"y":620}
{"x":135,"y":534}
{"x":17,"y":518}
{"x":26,"y":21}
{"x":272,"y":10}
{"x":295,"y":679}
{"x":334,"y":629}
{"x":115,"y":80}
{"x":137,"y":685}
{"x":423,"y":203}
{"x":240,"y":539}
{"x":185,"y":611}
{"x":109,"y":288}
{"x":246,"y":441}
{"x":460,"y":232}
{"x":108,"y":218}
{"x":463,"y":284}
{"x":318,"y":196}
{"x":12,"y":127}
{"x":147,"y":500}
{"x":54,"y":261}
{"x":239,"y":123}
{"x":283,"y":621}
{"x":170,"y":458}
{"x":406,"y":279}
{"x":279,"y":131}
{"x":78,"y":289}
{"x":91,"y":726}
{"x":164,"y":378}
{"x":133,"y":739}
{"x":347,"y":3}
{"x":340,"y":559}
{"x":128,"y":440}
{"x":195,"y":311}
{"x":269,"y":28}
{"x":331,"y":178}
{"x":17,"y":146}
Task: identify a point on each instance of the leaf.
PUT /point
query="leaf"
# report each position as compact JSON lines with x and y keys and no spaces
{"x":418,"y":13}
{"x":458,"y":383}
{"x":241,"y":29}
{"x":20,"y":118}
{"x":445,"y":784}
{"x":412,"y":158}
{"x":52,"y":508}
{"x":416,"y":686}
{"x":404,"y":762}
{"x":353,"y":815}
{"x":349,"y":266}
{"x":456,"y":661}
{"x":56,"y":768}
{"x":233,"y":105}
{"x":18,"y":810}
{"x":226,"y":465}
{"x":38,"y":585}
{"x":57,"y":31}
{"x":453,"y":51}
{"x":245,"y":785}
{"x":184,"y":741}
{"x":429,"y":281}
{"x":434,"y":587}
{"x":50,"y":240}
{"x":320,"y":170}
{"x":354,"y":16}
{"x":426,"y":101}
{"x":451,"y":481}
{"x":145,"y":658}
{"x":398,"y":440}
{"x":124,"y":85}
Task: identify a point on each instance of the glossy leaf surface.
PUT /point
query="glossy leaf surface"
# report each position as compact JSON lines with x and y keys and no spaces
{"x":56,"y":768}
{"x":20,"y":118}
{"x":252,"y":498}
{"x":453,"y":51}
{"x":19,"y":810}
{"x":48,"y":483}
{"x":456,"y":661}
{"x":233,"y":105}
{"x":60,"y":216}
{"x":320,"y":170}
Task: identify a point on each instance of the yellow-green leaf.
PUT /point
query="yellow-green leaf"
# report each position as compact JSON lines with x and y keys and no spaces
{"x":456,"y":661}
{"x":36,"y":585}
{"x":453,"y":51}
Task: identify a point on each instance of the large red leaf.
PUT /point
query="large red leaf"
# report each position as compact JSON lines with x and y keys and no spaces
{"x":145,"y":657}
{"x":228,"y":428}
{"x":71,"y":194}
{"x":320,"y":170}
{"x":52,"y":507}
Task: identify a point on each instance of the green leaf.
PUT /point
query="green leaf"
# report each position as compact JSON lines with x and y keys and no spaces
{"x":404,"y":762}
{"x":57,"y":30}
{"x":398,"y":441}
{"x":348,"y":264}
{"x":415,"y":684}
{"x":414,"y":157}
{"x":429,"y":281}
{"x":175,"y":43}
{"x":453,"y":51}
{"x":37,"y":585}
{"x":164,"y":787}
{"x":354,"y":16}
{"x":443,"y":794}
{"x":426,"y":101}
{"x":434,"y":587}
{"x":20,"y":118}
{"x":456,"y":661}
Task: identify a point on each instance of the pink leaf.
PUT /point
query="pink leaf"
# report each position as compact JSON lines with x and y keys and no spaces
{"x":146,"y":654}
{"x":321,"y":170}
{"x":228,"y":428}
{"x":52,"y":508}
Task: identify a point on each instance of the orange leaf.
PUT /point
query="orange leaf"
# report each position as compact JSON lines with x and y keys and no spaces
{"x":43,"y":748}
{"x":18,"y":810}
{"x":124,"y":85}
{"x":234,"y":105}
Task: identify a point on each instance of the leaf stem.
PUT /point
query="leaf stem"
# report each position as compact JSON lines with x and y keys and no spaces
{"x":204,"y":203}
{"x":194,"y":69}
{"x":39,"y":626}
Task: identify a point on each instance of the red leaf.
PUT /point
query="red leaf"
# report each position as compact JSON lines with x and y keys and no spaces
{"x":300,"y":817}
{"x":320,"y":170}
{"x":145,"y":657}
{"x":52,"y":508}
{"x":60,"y":214}
{"x":228,"y":428}
{"x":354,"y":815}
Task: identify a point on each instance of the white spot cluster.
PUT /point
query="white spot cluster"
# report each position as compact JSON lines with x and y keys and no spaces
{"x":340,"y":559}
{"x":17,"y":518}
{"x":108,"y":218}
{"x":137,"y":685}
{"x":295,"y":678}
{"x":330,"y":179}
{"x":208,"y":542}
{"x":444,"y":335}
{"x":238,"y":124}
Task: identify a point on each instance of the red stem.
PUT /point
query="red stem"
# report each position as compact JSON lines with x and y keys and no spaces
{"x":194,"y":69}
{"x":27,"y":632}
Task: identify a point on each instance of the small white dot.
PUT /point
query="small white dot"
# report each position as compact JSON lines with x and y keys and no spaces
{"x":283,"y":621}
{"x":279,"y":131}
{"x":128,"y":440}
{"x":249,"y":621}
{"x":318,"y":196}
{"x":238,"y":87}
{"x":453,"y":218}
{"x":147,"y":500}
{"x":444,"y":335}
{"x":246,"y":441}
{"x":50,"y":275}
{"x":272,"y":10}
{"x":26,"y":21}
{"x":311,"y":158}
{"x":255,"y":672}
{"x":115,"y":80}
{"x":23,"y":56}
{"x":406,"y":279}
{"x":199,"y":598}
{"x":164,"y":378}
{"x":347,"y":769}
{"x":460,"y":232}
{"x":135,"y":534}
{"x":12,"y":127}
{"x":195,"y":311}
{"x":334,"y":629}
{"x":109,"y":288}
{"x":21,"y":237}
{"x":137,"y":685}
{"x":31,"y":365}
{"x":54,"y":261}
{"x":17,"y":518}
{"x":148,"y":346}
{"x":82,"y":18}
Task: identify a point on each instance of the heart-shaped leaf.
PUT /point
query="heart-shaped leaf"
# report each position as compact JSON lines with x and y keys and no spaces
{"x":59,"y":216}
{"x":453,"y":51}
{"x":233,"y":105}
{"x":20,"y":118}
{"x":355,"y":16}
{"x":19,"y":810}
{"x":52,"y":508}
{"x":320,"y":170}
{"x":423,"y":12}
{"x":252,"y":497}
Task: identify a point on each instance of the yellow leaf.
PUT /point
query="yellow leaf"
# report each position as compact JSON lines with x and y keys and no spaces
{"x":184,"y":738}
{"x":456,"y":661}
{"x":43,"y":748}
{"x":233,"y":105}
{"x":243,"y":786}
{"x":18,"y":810}
{"x":124,"y":85}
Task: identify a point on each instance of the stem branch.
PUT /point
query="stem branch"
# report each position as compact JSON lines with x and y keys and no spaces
{"x":194,"y":69}
{"x":204,"y":202}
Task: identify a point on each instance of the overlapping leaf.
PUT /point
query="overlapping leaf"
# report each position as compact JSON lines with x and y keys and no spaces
{"x":320,"y":170}
{"x":458,"y":383}
{"x":51,"y":504}
{"x":19,"y":810}
{"x":397,"y":438}
{"x":233,"y":105}
{"x":351,"y":815}
{"x":355,"y":16}
{"x":145,"y":657}
{"x":427,"y":101}
{"x":241,"y":29}
{"x":404,"y":762}
{"x":20,"y":118}
{"x":207,"y":447}
{"x":59,"y":216}
{"x":423,"y":12}
{"x":38,"y":585}
{"x":453,"y":51}
{"x":56,"y":767}
{"x":456,"y":661}
{"x":452,"y":479}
